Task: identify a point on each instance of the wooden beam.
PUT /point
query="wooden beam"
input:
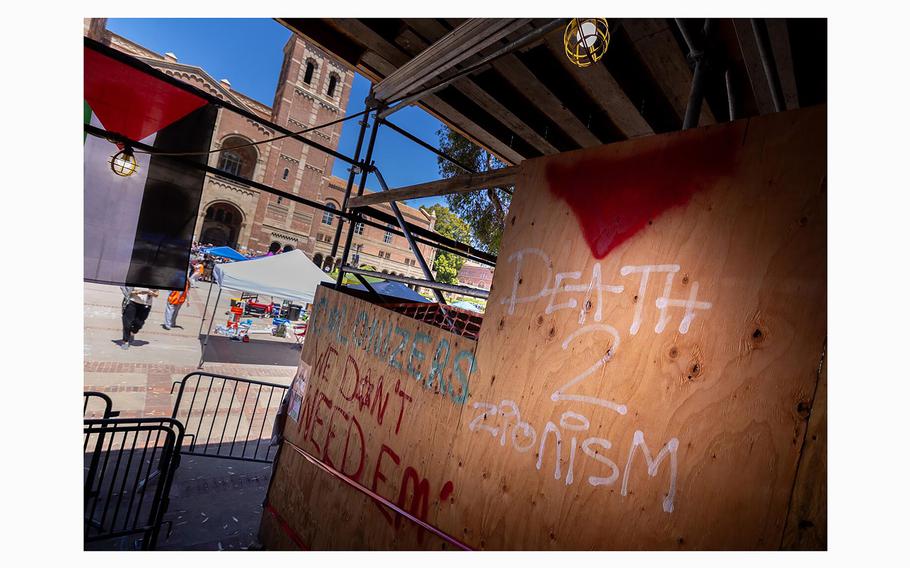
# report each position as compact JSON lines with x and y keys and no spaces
{"x":654,"y":41}
{"x":458,"y":184}
{"x":761,"y":90}
{"x":384,"y":57}
{"x":602,"y":88}
{"x":516,"y":73}
{"x":430,"y":28}
{"x":448,"y":51}
{"x":504,"y":115}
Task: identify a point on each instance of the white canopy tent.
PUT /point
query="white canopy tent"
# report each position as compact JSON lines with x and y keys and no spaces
{"x":290,"y":276}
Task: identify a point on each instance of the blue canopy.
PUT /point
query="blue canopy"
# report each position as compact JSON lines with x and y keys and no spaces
{"x":224,"y":252}
{"x":393,"y":289}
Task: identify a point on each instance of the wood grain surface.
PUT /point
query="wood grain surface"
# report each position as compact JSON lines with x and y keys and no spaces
{"x":647,"y":369}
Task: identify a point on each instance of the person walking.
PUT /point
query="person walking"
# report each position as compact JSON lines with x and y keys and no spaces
{"x":137,"y":303}
{"x":174,"y":301}
{"x":196,"y":273}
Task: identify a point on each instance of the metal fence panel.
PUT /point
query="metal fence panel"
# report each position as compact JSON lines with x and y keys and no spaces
{"x":228,"y":417}
{"x":129,"y":465}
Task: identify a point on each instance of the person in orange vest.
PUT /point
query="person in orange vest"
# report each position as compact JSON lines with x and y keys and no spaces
{"x":174,"y":301}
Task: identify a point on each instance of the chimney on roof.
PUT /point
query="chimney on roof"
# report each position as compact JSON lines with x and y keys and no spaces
{"x":169,"y":56}
{"x":226,"y":84}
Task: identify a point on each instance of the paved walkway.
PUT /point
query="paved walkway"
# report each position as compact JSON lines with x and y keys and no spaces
{"x":216,"y":504}
{"x":139,"y":379}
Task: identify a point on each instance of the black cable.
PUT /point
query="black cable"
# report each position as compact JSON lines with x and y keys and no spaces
{"x":215,"y":151}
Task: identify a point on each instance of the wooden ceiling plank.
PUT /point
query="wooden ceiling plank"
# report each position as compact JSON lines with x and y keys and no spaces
{"x":749,"y":49}
{"x":520,"y":77}
{"x":602,"y":88}
{"x":362,"y":34}
{"x":383,"y":55}
{"x":469,"y":129}
{"x":779,"y":39}
{"x":654,"y":41}
{"x":504,"y":115}
{"x":428,"y":28}
{"x":412,"y":42}
{"x":444,"y":53}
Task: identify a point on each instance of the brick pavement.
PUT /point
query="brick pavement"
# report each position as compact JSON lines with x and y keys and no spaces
{"x":139,"y":379}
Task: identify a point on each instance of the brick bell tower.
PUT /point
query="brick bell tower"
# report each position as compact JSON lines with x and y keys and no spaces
{"x":313,"y":88}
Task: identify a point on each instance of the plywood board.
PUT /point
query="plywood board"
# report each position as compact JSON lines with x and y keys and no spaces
{"x":379,"y":396}
{"x":659,"y":412}
{"x":643,"y":374}
{"x":807,"y":523}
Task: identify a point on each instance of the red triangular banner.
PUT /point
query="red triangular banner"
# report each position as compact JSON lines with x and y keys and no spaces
{"x":130,"y":102}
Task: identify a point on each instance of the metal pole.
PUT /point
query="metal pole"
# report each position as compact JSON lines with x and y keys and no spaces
{"x":347,"y":190}
{"x":764,"y":52}
{"x":367,"y":159}
{"x":209,"y":332}
{"x":207,"y":296}
{"x":731,"y":102}
{"x":407,"y":235}
{"x":697,"y":91}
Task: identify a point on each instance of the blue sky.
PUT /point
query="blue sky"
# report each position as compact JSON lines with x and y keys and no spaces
{"x":248,"y":53}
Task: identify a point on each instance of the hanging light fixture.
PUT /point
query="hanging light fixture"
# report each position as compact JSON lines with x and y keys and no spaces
{"x":586,"y":40}
{"x":124,"y":163}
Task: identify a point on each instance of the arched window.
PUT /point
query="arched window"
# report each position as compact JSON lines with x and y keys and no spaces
{"x":317,"y":259}
{"x":286,"y":173}
{"x":209,"y":212}
{"x":333,"y":82}
{"x":230,"y":162}
{"x":238,"y":157}
{"x":327,"y":216}
{"x":228,"y":217}
{"x":308,"y":74}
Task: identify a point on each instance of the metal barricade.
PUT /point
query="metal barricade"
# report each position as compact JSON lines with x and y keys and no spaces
{"x":91,"y":398}
{"x":128,"y":470}
{"x":228,"y":417}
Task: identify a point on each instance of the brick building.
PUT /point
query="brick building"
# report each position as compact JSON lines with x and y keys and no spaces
{"x":476,"y":275}
{"x":313,"y":88}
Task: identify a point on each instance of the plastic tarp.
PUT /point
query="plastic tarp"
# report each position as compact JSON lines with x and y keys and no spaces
{"x":393,"y":289}
{"x":467,"y":306}
{"x":224,"y":252}
{"x":289,"y":275}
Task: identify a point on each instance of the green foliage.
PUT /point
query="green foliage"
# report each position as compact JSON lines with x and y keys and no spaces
{"x":483,"y":210}
{"x":448,"y":225}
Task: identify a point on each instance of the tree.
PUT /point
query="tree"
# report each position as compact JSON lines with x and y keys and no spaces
{"x":448,"y":225}
{"x":484,"y":210}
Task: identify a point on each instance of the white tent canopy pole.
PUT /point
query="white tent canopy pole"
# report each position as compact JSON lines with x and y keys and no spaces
{"x":209,"y":332}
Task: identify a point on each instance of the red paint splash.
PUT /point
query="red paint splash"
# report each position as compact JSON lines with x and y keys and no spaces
{"x":615,"y":196}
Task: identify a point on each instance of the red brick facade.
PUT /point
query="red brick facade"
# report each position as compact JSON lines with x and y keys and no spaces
{"x":242,"y":216}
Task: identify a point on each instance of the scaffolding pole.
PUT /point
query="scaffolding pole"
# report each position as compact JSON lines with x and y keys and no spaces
{"x":363,"y":183}
{"x":427,"y":273}
{"x":351,"y":176}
